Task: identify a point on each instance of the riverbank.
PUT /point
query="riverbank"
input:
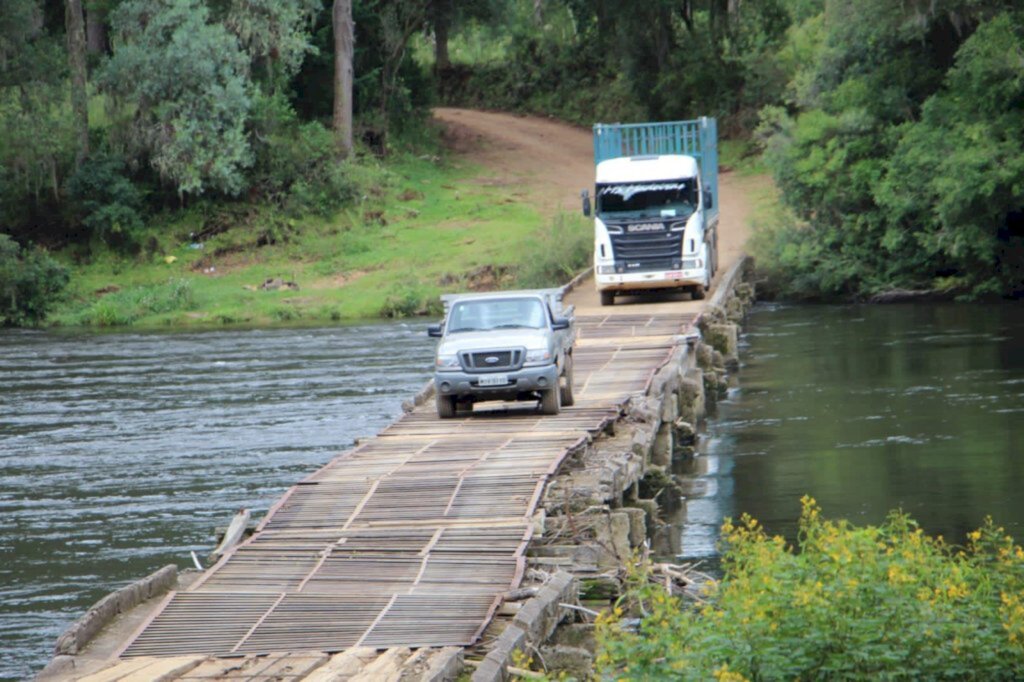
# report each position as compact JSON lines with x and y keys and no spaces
{"x":433,"y":226}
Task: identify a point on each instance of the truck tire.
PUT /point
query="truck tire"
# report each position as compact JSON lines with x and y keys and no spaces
{"x":568,"y":400}
{"x":550,"y":402}
{"x":607,"y":298}
{"x":698,"y":292}
{"x":445,"y":406}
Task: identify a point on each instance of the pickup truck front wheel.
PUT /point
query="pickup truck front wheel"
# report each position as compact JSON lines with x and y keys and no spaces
{"x":445,"y":406}
{"x":550,"y":401}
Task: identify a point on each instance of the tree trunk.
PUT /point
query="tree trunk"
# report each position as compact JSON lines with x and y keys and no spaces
{"x":95,"y":31}
{"x":344,"y":43}
{"x":75,"y":27}
{"x":442,"y":22}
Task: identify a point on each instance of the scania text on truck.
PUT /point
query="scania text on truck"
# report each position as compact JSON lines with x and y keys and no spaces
{"x":655,"y":207}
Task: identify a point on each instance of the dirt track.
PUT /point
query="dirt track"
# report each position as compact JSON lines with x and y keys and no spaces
{"x":553,"y":161}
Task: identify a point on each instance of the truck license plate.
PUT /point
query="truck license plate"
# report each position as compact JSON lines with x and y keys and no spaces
{"x":494,"y":380}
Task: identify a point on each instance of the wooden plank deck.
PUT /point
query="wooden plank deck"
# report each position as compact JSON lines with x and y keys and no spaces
{"x":409,"y":539}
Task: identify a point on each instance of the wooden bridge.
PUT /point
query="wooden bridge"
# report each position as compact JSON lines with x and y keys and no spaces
{"x":408,"y":541}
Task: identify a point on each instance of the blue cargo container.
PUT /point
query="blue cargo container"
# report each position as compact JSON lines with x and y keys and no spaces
{"x":697,"y":138}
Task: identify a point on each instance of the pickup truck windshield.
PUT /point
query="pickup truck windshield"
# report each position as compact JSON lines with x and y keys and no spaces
{"x":676,"y":199}
{"x":502,"y":313}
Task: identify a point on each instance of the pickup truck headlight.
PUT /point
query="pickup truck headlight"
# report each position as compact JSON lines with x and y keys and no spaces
{"x":541,"y":356}
{"x":447,"y":362}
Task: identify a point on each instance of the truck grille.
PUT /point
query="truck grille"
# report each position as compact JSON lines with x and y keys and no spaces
{"x":648,"y":250}
{"x":492,"y":361}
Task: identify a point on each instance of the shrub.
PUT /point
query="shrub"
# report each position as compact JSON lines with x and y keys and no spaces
{"x":556,"y":255}
{"x":109,"y":204}
{"x":873,"y":602}
{"x":297,"y":164}
{"x":30,"y":281}
{"x":410,"y":299}
{"x":124,"y":308}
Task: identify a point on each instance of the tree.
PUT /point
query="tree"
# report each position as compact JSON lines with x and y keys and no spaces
{"x":441,"y":17}
{"x":96,"y":12}
{"x":75,"y":27}
{"x":182,"y":79}
{"x":344,"y":46}
{"x":274,"y":33}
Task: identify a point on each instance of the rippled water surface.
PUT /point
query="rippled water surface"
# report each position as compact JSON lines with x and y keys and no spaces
{"x":867,"y":409}
{"x":121,"y":453}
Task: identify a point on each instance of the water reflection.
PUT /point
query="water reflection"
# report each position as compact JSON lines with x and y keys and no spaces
{"x":121,"y":453}
{"x":867,"y":409}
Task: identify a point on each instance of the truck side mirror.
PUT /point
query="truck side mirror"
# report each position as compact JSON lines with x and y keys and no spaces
{"x":559,"y":323}
{"x":434,"y":330}
{"x":709,"y":199}
{"x":585,"y":195}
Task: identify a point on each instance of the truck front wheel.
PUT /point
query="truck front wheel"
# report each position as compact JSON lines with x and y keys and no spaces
{"x":607,"y":298}
{"x":698,"y":292}
{"x":445,"y":406}
{"x":550,"y":401}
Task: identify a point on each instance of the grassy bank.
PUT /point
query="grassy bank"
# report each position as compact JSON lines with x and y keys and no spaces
{"x":420,"y":226}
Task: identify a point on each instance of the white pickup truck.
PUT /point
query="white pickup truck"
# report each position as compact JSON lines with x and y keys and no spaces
{"x":511,"y":345}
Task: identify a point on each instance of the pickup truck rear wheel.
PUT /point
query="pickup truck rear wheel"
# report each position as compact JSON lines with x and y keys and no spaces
{"x":568,"y":400}
{"x":550,"y":401}
{"x":607,"y":298}
{"x":445,"y":406}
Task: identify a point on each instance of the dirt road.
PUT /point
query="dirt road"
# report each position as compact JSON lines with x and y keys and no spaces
{"x":553,"y":161}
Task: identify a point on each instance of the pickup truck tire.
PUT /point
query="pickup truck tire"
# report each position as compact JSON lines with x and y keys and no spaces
{"x":445,"y":406}
{"x":698,"y":292}
{"x":550,"y":401}
{"x":607,"y":298}
{"x":568,"y":400}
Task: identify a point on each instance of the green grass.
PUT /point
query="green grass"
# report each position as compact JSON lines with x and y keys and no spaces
{"x":741,"y":156}
{"x":422,"y":228}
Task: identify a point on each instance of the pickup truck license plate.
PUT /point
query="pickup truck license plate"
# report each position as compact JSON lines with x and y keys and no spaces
{"x":494,"y":380}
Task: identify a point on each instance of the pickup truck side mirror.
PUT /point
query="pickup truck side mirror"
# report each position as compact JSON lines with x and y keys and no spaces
{"x":585,"y":195}
{"x":434,"y":330}
{"x":560,"y":323}
{"x":709,"y":200}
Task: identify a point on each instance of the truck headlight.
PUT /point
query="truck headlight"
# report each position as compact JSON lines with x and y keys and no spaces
{"x":539,"y":356}
{"x":692,"y":263}
{"x":448,"y":362}
{"x":606,"y":269}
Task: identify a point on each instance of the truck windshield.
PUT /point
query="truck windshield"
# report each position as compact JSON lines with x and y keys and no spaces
{"x":502,"y":313}
{"x":648,"y":200}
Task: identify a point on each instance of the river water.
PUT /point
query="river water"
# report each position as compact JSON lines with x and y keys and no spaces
{"x":120,"y":453}
{"x":866,"y":409}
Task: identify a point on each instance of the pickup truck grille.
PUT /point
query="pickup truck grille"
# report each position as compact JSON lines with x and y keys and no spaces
{"x":492,"y":361}
{"x":647,"y":250}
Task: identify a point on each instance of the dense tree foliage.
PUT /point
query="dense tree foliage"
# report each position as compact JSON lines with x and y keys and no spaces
{"x":184,"y":79}
{"x":182,"y":99}
{"x":898,"y":148}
